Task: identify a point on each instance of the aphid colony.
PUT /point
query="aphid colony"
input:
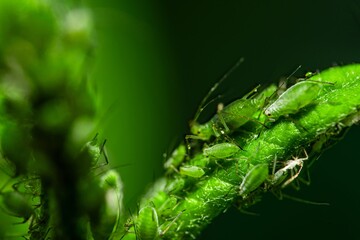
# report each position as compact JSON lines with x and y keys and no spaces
{"x":221,"y":138}
{"x":215,"y":142}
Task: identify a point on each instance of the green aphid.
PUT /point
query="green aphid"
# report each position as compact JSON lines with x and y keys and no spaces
{"x":293,"y":99}
{"x":176,"y":158}
{"x":199,"y":160}
{"x":253,"y":179}
{"x":147,"y":224}
{"x":175,"y":186}
{"x":221,"y":150}
{"x":96,"y":151}
{"x":228,"y":119}
{"x":192,"y":171}
{"x":166,"y":208}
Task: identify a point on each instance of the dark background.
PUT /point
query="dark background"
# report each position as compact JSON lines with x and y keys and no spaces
{"x":156,"y":60}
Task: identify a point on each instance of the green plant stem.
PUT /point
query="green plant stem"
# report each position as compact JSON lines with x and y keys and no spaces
{"x":215,"y":193}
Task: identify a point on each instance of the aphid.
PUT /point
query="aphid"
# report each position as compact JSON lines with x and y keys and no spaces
{"x":290,"y":165}
{"x":221,"y":150}
{"x":96,"y":150}
{"x":176,"y":158}
{"x":294,"y":98}
{"x":228,"y":118}
{"x":166,"y":208}
{"x":253,"y":179}
{"x":108,"y":221}
{"x":147,"y":224}
{"x":175,"y":186}
{"x":192,"y":171}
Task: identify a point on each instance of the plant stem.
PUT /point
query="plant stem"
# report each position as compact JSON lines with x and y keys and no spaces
{"x":205,"y":198}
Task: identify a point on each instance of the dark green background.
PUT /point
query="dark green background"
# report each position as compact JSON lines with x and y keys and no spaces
{"x":157,"y":59}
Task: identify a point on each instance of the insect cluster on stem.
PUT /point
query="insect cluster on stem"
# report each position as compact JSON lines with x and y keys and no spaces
{"x":221,"y":138}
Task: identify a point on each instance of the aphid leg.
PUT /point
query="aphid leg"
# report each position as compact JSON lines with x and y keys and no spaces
{"x":286,"y":80}
{"x":220,"y":107}
{"x":306,"y":181}
{"x":103,"y":152}
{"x":297,"y":124}
{"x":277,"y":193}
{"x":254,"y":214}
{"x":231,"y":140}
{"x":300,"y":163}
{"x":274,"y":165}
{"x":162,"y":233}
{"x":296,"y":199}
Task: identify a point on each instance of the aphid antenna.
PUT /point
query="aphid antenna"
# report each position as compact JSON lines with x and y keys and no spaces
{"x":315,"y":81}
{"x":99,"y":173}
{"x":296,"y":123}
{"x":215,"y":86}
{"x":253,"y":214}
{"x":103,"y":152}
{"x":252,"y":93}
{"x":296,"y":199}
{"x":231,"y":140}
{"x":220,"y":107}
{"x":286,"y":80}
{"x":94,"y":140}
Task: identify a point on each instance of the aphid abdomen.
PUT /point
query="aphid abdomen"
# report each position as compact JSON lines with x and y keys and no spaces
{"x":147,"y":224}
{"x":192,"y":171}
{"x":293,"y":99}
{"x":253,"y":179}
{"x":239,"y":112}
{"x":221,"y":150}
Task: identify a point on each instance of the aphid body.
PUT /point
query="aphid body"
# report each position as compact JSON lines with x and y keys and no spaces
{"x":176,"y":158}
{"x":95,"y":151}
{"x":293,"y":99}
{"x":290,"y":165}
{"x":228,"y":119}
{"x":253,"y":179}
{"x":192,"y":171}
{"x":147,"y":224}
{"x":221,"y":150}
